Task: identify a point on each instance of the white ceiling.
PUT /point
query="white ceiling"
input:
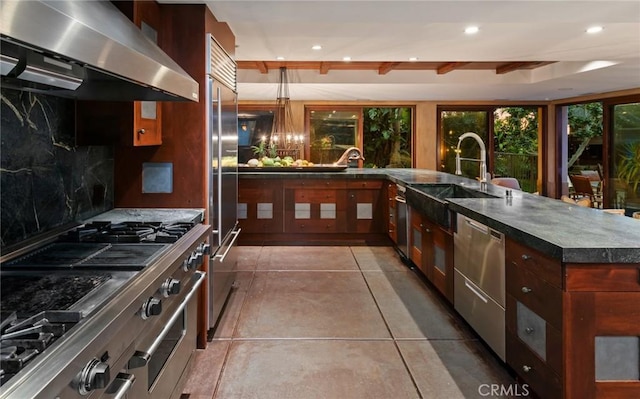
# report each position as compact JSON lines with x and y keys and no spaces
{"x":432,"y":30}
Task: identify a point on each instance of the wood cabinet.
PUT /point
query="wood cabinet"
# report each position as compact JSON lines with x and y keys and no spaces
{"x":311,"y":210}
{"x":260,"y":206}
{"x":602,"y":331}
{"x":573,"y":330}
{"x":392,"y":212}
{"x":534,"y":318}
{"x":365,"y":206}
{"x":432,"y":252}
{"x":127,"y":123}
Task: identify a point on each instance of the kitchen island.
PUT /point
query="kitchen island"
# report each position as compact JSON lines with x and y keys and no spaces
{"x":572,"y":274}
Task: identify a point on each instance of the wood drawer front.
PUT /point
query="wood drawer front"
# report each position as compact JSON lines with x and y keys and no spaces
{"x":262,"y":225}
{"x":316,"y":184}
{"x":365,"y":184}
{"x":536,"y":294}
{"x":552,"y":336}
{"x":541,"y":265}
{"x":602,"y":277}
{"x":315,"y":196}
{"x":540,"y":377}
{"x":313,"y":226}
{"x":254,"y":195}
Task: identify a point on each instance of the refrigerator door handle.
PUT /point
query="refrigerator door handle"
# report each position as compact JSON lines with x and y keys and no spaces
{"x":218,"y":102}
{"x":235,"y":235}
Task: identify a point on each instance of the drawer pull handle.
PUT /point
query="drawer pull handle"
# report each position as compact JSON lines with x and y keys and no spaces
{"x":526,"y":368}
{"x":529,"y":330}
{"x":525,"y":257}
{"x":526,"y":290}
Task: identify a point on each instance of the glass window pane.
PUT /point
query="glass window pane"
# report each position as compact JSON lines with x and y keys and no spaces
{"x":453,"y":124}
{"x":331,"y":132}
{"x":625,"y":168}
{"x":515,"y":145}
{"x":387,"y":137}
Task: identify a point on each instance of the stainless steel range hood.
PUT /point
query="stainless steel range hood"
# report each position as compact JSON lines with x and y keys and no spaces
{"x":87,"y":50}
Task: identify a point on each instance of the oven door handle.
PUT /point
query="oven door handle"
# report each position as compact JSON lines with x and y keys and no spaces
{"x":141,"y":358}
{"x":235,"y":234}
{"x":124,"y":381}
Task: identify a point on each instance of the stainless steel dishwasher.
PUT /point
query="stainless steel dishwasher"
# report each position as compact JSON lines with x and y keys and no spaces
{"x":479,"y":280}
{"x":402,"y":222}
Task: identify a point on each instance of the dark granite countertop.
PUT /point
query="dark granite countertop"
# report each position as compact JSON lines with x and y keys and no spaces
{"x":165,"y":215}
{"x":567,"y":232}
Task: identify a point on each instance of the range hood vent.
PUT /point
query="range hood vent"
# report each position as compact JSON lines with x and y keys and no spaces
{"x":86,"y":50}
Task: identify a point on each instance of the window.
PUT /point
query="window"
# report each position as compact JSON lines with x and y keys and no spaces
{"x":625,"y":155}
{"x":384,"y":134}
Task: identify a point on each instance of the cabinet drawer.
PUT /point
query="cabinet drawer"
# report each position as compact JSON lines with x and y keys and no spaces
{"x":315,"y":196}
{"x":313,"y":226}
{"x":531,"y":331}
{"x":533,"y":371}
{"x":256,"y":195}
{"x":369,"y":184}
{"x":622,"y":278}
{"x":537,"y":294}
{"x":541,"y":265}
{"x":316,"y":184}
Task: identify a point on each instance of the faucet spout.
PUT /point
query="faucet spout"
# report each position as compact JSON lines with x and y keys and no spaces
{"x":350,"y":156}
{"x":483,"y":155}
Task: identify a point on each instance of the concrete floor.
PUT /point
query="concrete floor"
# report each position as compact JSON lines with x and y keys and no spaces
{"x":343,"y":323}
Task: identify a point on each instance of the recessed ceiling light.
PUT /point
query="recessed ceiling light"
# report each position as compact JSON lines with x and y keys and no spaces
{"x":413,"y":58}
{"x":346,"y":58}
{"x":316,"y":47}
{"x":280,"y":58}
{"x":594,"y":29}
{"x":470,"y":30}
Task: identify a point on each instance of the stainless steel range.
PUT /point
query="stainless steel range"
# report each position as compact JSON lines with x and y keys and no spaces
{"x":99,"y":308}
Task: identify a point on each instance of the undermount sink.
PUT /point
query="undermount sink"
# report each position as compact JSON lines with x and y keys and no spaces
{"x":442,"y":191}
{"x":431,"y":199}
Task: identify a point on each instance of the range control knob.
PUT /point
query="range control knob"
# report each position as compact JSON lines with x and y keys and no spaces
{"x":151,"y":307}
{"x":204,"y":248}
{"x":171,"y":286}
{"x":95,"y":375}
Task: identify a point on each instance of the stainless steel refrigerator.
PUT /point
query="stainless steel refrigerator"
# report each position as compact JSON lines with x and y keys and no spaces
{"x":222,"y":152}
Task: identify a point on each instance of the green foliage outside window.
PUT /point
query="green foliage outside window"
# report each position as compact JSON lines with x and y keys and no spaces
{"x":387,"y":137}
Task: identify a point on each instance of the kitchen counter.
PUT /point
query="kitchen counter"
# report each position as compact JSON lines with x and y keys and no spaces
{"x":570,"y":233}
{"x":165,"y":215}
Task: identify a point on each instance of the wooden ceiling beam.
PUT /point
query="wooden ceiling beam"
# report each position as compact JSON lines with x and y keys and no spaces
{"x":386,"y":67}
{"x":510,"y":67}
{"x":324,"y":68}
{"x":450,"y":66}
{"x":262,"y":67}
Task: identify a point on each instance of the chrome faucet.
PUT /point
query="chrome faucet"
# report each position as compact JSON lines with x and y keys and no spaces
{"x":352,"y":154}
{"x":482,"y":160}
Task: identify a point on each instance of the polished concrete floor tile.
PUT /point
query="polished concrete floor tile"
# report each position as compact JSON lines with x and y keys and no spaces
{"x":206,"y":368}
{"x":315,"y":370}
{"x":306,"y":258}
{"x":310,"y":305}
{"x":378,"y":259}
{"x":411,"y":310}
{"x":248,"y":257}
{"x":454,"y":369}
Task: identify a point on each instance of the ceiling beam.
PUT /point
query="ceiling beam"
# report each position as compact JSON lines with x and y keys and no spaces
{"x":262,"y":67}
{"x":510,"y":67}
{"x":386,"y":67}
{"x":450,"y":66}
{"x":324,"y":68}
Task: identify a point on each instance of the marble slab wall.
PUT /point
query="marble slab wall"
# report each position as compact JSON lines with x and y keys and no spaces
{"x":45,"y":179}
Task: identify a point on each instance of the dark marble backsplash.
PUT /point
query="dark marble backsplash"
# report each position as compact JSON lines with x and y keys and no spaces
{"x":46,"y":180}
